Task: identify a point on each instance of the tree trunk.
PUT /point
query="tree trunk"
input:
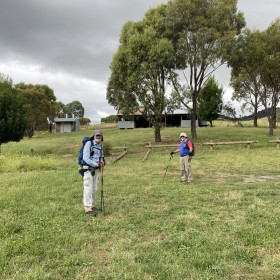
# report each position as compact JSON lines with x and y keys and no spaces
{"x":30,"y":131}
{"x":273,"y":112}
{"x":272,"y":115}
{"x":256,"y":112}
{"x":157,"y":132}
{"x":270,"y":132}
{"x":255,"y":121}
{"x":50,"y":127}
{"x":193,"y":117}
{"x":274,"y":118}
{"x":270,"y":122}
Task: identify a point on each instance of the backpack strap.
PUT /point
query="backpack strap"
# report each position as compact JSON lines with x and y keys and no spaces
{"x":91,"y":149}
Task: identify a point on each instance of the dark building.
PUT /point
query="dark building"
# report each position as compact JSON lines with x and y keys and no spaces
{"x":177,"y":119}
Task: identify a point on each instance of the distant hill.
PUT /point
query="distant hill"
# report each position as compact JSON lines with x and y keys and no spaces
{"x":261,"y":114}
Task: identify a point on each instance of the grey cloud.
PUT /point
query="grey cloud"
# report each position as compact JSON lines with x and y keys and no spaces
{"x":73,"y":36}
{"x":259,"y":14}
{"x":79,"y":38}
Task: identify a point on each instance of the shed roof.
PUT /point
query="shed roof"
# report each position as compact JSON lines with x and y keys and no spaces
{"x":175,"y":112}
{"x":65,"y":120}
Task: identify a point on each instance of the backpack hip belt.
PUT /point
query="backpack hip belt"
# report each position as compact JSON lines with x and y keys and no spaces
{"x":89,"y":168}
{"x":86,"y":167}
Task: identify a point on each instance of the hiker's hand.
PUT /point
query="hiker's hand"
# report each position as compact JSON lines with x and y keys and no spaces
{"x":101,"y":164}
{"x":172,"y":153}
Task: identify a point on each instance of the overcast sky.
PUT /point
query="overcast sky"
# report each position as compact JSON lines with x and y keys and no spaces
{"x":69,"y":44}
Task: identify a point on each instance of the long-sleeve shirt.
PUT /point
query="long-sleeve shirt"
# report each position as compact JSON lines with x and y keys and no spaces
{"x":94,"y":154}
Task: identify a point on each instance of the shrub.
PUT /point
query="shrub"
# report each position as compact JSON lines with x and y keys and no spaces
{"x":107,"y":148}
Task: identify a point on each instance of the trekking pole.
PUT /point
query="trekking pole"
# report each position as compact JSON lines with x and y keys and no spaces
{"x":171,"y":155}
{"x":102,"y":207}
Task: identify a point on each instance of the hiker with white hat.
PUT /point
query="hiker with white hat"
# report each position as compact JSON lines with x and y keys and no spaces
{"x":186,"y":151}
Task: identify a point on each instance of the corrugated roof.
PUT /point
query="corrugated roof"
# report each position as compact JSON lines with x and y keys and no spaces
{"x":65,"y":120}
{"x":176,"y":112}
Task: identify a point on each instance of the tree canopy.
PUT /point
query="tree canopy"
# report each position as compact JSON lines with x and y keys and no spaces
{"x":203,"y":32}
{"x":40,"y":101}
{"x":12,"y":112}
{"x":246,"y":79}
{"x":195,"y":36}
{"x":39,"y":106}
{"x":74,"y":108}
{"x":271,"y":70}
{"x":255,"y":73}
{"x":210,"y":101}
{"x":143,"y":68}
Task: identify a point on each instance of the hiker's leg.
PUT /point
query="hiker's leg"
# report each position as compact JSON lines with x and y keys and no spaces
{"x":95,"y":184}
{"x":182,"y":167}
{"x":88,"y":190}
{"x":186,"y":168}
{"x":190,"y":177}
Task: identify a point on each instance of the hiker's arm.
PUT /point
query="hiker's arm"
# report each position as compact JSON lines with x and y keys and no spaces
{"x":190,"y":146}
{"x":101,"y":162}
{"x":175,"y":151}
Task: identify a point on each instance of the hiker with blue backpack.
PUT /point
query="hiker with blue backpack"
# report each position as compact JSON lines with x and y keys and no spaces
{"x":91,"y":160}
{"x":186,"y":150}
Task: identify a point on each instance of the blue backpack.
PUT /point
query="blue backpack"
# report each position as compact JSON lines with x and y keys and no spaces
{"x":80,"y":158}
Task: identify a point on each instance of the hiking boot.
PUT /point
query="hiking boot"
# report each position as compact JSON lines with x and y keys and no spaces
{"x":91,"y":213}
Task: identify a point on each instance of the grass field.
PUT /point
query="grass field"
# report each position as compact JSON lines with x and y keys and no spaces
{"x":224,"y":225}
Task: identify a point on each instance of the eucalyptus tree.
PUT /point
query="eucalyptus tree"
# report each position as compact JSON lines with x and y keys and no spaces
{"x":246,"y":75}
{"x":12,"y":112}
{"x":142,"y":69}
{"x":248,"y":89}
{"x":202,"y":32}
{"x":271,"y":70}
{"x":210,"y":101}
{"x":255,"y":66}
{"x":40,"y":104}
{"x":75,"y":108}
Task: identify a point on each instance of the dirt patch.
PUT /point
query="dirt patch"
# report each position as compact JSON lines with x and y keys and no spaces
{"x":71,"y":145}
{"x":233,"y":195}
{"x":259,"y":179}
{"x":67,"y":155}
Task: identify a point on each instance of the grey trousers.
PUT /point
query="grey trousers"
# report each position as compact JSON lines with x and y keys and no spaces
{"x":186,"y":169}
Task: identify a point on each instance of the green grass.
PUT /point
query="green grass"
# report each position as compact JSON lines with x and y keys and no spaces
{"x":224,"y":225}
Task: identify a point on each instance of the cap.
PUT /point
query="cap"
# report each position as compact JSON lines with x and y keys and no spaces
{"x":97,"y":132}
{"x":183,"y":134}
